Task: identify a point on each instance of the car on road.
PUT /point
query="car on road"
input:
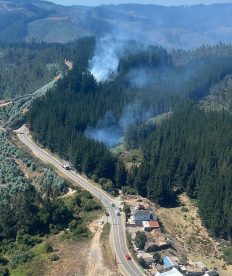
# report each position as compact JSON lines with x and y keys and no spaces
{"x":118,"y":213}
{"x":101,"y":222}
{"x":128,"y":257}
{"x":120,"y":209}
{"x":107,"y":213}
{"x":65,"y":166}
{"x":112,"y":204}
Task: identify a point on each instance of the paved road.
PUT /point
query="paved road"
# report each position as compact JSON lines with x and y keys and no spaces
{"x":118,"y":240}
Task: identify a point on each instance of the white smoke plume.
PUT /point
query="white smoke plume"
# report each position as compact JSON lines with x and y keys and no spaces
{"x":105,"y":62}
{"x":110,"y":132}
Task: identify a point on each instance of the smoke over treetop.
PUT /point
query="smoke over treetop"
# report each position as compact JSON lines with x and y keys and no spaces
{"x":105,"y":62}
{"x":109,"y":130}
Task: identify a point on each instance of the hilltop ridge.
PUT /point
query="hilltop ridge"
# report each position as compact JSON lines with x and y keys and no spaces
{"x":170,"y":27}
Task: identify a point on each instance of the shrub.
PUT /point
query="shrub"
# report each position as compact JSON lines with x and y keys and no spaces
{"x":33,"y":166}
{"x":129,"y":190}
{"x":3,"y":260}
{"x":140,"y":240}
{"x":102,"y":181}
{"x":228,"y":255}
{"x":91,"y":204}
{"x":127,"y":210}
{"x":54,"y":257}
{"x":25,"y":239}
{"x":95,"y":178}
{"x":143,"y":263}
{"x":20,"y":258}
{"x":184,"y":209}
{"x":108,"y":186}
{"x":80,"y":232}
{"x":48,"y":247}
{"x":4,"y":271}
{"x":74,"y":223}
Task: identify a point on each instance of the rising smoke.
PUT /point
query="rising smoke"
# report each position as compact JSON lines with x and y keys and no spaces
{"x":105,"y":62}
{"x":104,"y":67}
{"x":110,"y":131}
{"x":140,"y":77}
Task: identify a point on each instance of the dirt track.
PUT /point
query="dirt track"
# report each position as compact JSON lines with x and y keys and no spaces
{"x":95,"y":259}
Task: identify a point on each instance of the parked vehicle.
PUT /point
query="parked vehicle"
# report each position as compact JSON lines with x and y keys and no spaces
{"x":107,"y":213}
{"x":112,"y":204}
{"x":120,"y":209}
{"x":101,"y":222}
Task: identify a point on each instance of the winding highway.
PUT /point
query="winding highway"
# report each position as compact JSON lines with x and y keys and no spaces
{"x":118,"y":236}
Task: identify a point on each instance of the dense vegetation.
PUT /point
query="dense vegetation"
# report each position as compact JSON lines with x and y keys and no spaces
{"x":26,"y":67}
{"x":191,"y":152}
{"x":23,"y":68}
{"x":32,"y":207}
{"x":78,"y":110}
{"x":188,"y":151}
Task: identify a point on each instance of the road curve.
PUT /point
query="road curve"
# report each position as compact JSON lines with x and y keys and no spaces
{"x":118,"y":241}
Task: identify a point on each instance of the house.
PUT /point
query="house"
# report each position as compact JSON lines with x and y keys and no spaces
{"x":151,"y":225}
{"x":141,"y":215}
{"x":172,"y":272}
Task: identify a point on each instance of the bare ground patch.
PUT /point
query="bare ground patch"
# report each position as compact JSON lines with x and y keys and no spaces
{"x":97,"y":264}
{"x":73,"y":257}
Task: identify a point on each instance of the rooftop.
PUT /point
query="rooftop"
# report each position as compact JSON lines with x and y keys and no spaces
{"x":141,"y":212}
{"x":168,"y":262}
{"x":154,"y":224}
{"x":173,"y":272}
{"x":151,"y":224}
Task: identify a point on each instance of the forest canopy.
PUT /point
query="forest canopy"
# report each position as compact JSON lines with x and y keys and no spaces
{"x":79,"y":118}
